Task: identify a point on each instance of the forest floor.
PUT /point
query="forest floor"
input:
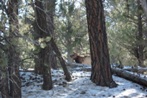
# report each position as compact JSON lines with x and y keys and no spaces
{"x":80,"y":87}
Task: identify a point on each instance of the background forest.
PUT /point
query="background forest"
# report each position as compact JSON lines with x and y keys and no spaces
{"x":31,"y":29}
{"x":122,"y":22}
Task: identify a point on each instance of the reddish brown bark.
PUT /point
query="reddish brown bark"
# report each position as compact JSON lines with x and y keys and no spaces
{"x":101,"y":72}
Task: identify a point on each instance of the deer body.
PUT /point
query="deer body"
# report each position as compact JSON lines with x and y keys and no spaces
{"x":81,"y":59}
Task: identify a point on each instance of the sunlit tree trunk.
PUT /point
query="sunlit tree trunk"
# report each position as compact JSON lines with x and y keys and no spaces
{"x":13,"y":54}
{"x":101,"y":71}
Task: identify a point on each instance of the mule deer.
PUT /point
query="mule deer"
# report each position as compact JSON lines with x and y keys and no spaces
{"x":81,"y":59}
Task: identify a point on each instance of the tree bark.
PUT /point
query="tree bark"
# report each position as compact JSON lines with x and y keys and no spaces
{"x":50,"y":25}
{"x":47,"y":78}
{"x":4,"y":87}
{"x":116,"y":71}
{"x":140,"y":37}
{"x":62,"y":61}
{"x":127,"y":75}
{"x":50,"y":7}
{"x":13,"y":54}
{"x":137,"y":70}
{"x":44,"y":52}
{"x":40,"y":28}
{"x":101,"y":72}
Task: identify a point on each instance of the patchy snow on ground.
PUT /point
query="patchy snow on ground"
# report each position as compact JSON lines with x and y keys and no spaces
{"x":80,"y":87}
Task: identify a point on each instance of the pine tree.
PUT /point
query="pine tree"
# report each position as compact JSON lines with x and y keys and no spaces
{"x":101,"y":71}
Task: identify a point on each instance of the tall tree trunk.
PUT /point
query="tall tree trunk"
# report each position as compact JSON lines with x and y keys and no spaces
{"x":45,"y":63}
{"x":46,"y":23}
{"x":101,"y":71}
{"x":13,"y":54}
{"x":47,"y":78}
{"x":40,"y":28}
{"x":140,"y":37}
{"x":50,"y":7}
{"x":45,"y":29}
{"x":4,"y":89}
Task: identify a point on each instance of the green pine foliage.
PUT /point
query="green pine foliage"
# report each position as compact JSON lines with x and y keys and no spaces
{"x":122,"y":29}
{"x":71,"y":32}
{"x":71,"y":28}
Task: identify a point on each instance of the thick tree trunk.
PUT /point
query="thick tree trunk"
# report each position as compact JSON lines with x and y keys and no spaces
{"x":14,"y":76}
{"x":40,"y":28}
{"x":4,"y":87}
{"x":13,"y":54}
{"x":50,"y":7}
{"x":44,"y":60}
{"x":101,"y":72}
{"x":45,"y":22}
{"x":39,"y":62}
{"x":47,"y":79}
{"x":44,"y":26}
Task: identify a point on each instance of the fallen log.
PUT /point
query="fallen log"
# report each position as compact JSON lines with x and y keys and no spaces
{"x":116,"y":71}
{"x":130,"y":76}
{"x":137,"y":70}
